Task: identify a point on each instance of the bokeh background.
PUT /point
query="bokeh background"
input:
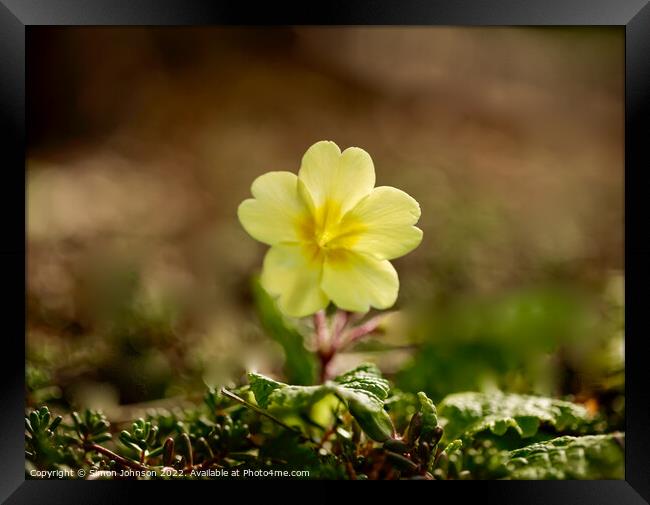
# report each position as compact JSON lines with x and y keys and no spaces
{"x":143,"y":141}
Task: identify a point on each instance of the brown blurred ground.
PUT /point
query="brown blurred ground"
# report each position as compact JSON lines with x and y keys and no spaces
{"x":142,"y":143}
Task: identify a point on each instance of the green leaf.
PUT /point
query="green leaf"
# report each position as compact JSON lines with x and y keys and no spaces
{"x":262,"y":388}
{"x":467,"y":414}
{"x":363,"y":390}
{"x":587,"y":457}
{"x":429,"y":416}
{"x":300,"y":365}
{"x":280,"y":397}
{"x":55,"y":423}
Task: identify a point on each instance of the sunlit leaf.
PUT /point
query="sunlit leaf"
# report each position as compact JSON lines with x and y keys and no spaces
{"x":587,"y":457}
{"x":363,"y":391}
{"x":467,"y":414}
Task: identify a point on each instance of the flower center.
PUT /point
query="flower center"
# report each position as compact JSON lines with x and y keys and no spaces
{"x":326,"y":234}
{"x":323,"y":238}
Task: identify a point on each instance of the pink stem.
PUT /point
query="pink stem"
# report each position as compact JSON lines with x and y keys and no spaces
{"x":341,"y":319}
{"x":320,"y":328}
{"x":328,"y":345}
{"x":323,"y":344}
{"x":362,"y":330}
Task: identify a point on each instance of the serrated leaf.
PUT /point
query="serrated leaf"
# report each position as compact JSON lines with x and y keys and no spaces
{"x":587,"y":457}
{"x":363,"y":390}
{"x":467,"y":414}
{"x":262,"y":388}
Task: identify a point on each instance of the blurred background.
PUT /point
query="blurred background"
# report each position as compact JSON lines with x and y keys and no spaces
{"x":143,"y":141}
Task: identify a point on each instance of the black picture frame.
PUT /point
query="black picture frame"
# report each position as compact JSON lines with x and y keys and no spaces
{"x":16,"y":18}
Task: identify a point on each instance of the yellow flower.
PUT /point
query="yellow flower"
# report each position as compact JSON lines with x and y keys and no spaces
{"x":331,"y":232}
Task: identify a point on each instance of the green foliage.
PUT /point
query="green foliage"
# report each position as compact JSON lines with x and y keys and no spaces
{"x":464,"y":438}
{"x":416,"y":453}
{"x":142,"y":438}
{"x":468,"y":414}
{"x":587,"y":457}
{"x":288,"y":451}
{"x":40,"y":429}
{"x":91,"y":427}
{"x":363,"y":390}
{"x":300,"y":365}
{"x":38,"y":422}
{"x":429,"y":416}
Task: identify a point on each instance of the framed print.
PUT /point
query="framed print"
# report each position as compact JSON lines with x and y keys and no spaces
{"x":367,"y":241}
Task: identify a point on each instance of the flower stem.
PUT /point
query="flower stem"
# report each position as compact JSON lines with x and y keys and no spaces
{"x":341,"y":320}
{"x":324,"y":344}
{"x":362,"y":330}
{"x":321,"y":331}
{"x":325,"y":361}
{"x":329,"y":343}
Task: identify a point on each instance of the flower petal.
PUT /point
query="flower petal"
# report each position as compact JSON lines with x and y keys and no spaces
{"x":294,"y":277}
{"x":332,"y":176}
{"x":356,"y":282}
{"x":271,"y":216}
{"x":384,"y":220}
